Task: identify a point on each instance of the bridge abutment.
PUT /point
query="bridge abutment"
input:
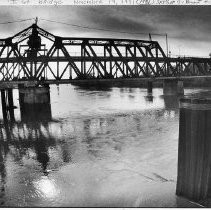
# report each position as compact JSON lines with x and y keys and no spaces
{"x":173,"y":87}
{"x":194,"y":155}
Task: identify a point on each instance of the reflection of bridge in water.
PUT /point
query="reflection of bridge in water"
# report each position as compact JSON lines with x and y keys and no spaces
{"x":32,"y":138}
{"x":32,"y":131}
{"x":22,"y":139}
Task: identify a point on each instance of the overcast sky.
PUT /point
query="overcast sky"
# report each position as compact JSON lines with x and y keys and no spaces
{"x":188,"y":27}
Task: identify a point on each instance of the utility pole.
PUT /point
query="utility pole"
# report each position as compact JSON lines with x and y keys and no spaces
{"x":150,"y":37}
{"x":36,"y":20}
{"x":167,"y":49}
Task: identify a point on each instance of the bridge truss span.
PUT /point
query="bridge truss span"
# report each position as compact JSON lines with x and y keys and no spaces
{"x":35,"y":54}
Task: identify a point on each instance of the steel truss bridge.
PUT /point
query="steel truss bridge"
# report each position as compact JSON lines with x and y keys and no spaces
{"x":34,"y":54}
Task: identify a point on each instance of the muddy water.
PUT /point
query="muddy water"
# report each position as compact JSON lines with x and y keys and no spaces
{"x":92,"y":148}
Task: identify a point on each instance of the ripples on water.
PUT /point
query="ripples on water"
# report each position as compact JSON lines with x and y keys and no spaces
{"x":89,"y":148}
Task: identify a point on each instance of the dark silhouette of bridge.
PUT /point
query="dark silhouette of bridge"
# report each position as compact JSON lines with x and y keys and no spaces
{"x":34,"y":54}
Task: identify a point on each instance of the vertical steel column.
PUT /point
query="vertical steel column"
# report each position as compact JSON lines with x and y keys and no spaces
{"x":126,"y":54}
{"x":82,"y":58}
{"x":167,"y":67}
{"x":13,"y":68}
{"x":105,"y":59}
{"x":123,"y":67}
{"x":93,"y":70}
{"x":45,"y":71}
{"x":97,"y":64}
{"x":194,"y":68}
{"x":178,"y":66}
{"x":111,"y":61}
{"x":70,"y":70}
{"x":156,"y":61}
{"x":31,"y":68}
{"x":35,"y":68}
{"x":57,"y":75}
{"x":84,"y":62}
{"x":147,"y":66}
{"x":19,"y":69}
{"x":135,"y":65}
{"x":7,"y":61}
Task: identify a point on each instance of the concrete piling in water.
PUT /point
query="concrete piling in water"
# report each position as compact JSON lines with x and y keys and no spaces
{"x":173,"y":87}
{"x":194,"y":153}
{"x":34,"y":95}
{"x":35,"y":103}
{"x":149,"y":87}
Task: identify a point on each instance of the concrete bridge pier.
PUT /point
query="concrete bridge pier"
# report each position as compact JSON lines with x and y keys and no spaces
{"x":194,"y":155}
{"x":173,"y":87}
{"x":149,"y":87}
{"x":34,"y":95}
{"x":35,"y":103}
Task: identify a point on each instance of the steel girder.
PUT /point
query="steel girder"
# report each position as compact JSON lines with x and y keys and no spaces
{"x":85,"y":58}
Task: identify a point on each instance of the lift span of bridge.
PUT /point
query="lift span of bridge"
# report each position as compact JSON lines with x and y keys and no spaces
{"x":35,"y":54}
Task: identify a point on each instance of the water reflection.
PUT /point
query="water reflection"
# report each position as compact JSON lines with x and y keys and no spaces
{"x":7,"y":105}
{"x":41,"y":150}
{"x":94,"y":87}
{"x":171,"y":102}
{"x":35,"y":112}
{"x":46,"y":187}
{"x":87,"y":147}
{"x":3,"y":152}
{"x":149,"y":97}
{"x":32,"y":132}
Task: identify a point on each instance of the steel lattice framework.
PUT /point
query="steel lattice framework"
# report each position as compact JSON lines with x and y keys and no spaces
{"x":35,"y":54}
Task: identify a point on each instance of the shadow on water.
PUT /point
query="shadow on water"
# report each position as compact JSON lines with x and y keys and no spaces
{"x":49,"y":144}
{"x":32,"y":132}
{"x":93,"y":87}
{"x":149,"y":98}
{"x":3,"y":153}
{"x":35,"y":113}
{"x":41,"y":150}
{"x":31,"y":136}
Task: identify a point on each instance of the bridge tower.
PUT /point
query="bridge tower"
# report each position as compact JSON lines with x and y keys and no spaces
{"x":34,"y":46}
{"x":33,"y":94}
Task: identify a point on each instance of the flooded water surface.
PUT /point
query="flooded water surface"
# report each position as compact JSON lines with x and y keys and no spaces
{"x":91,"y":148}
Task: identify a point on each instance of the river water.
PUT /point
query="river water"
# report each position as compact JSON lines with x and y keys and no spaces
{"x":114,"y":147}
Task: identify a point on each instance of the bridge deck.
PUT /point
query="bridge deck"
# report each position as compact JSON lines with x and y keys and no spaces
{"x":14,"y":84}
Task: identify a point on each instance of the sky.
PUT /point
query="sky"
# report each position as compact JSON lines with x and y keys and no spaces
{"x":188,"y":27}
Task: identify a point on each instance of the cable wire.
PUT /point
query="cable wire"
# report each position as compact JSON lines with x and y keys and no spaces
{"x":17,"y":21}
{"x":100,"y":29}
